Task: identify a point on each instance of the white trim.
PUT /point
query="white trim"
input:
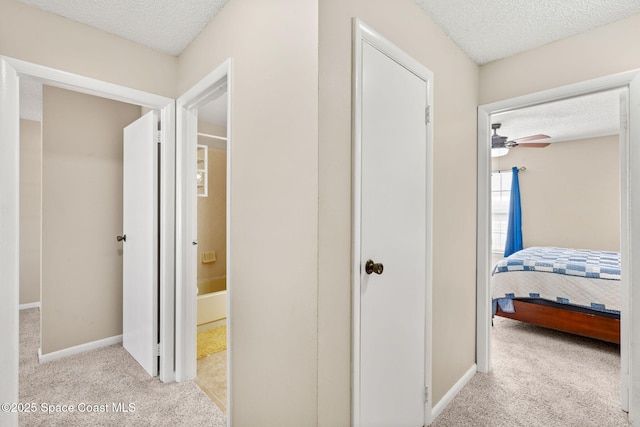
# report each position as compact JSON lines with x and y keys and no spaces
{"x":632,"y":269}
{"x":87,"y":85}
{"x":186,"y":302}
{"x":625,"y":203}
{"x":363,"y":33}
{"x":166,"y":106}
{"x":82,"y":348}
{"x":630,"y":230}
{"x":9,"y":238}
{"x":29,"y":305}
{"x":452,"y":393}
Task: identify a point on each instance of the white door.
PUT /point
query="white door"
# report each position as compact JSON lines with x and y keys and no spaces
{"x":140,"y":242}
{"x":394,"y":234}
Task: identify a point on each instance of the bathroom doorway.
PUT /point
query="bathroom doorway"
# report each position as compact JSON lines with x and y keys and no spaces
{"x":211,"y":259}
{"x":203,"y":237}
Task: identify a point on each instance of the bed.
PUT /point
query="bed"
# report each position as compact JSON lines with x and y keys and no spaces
{"x":571,"y":290}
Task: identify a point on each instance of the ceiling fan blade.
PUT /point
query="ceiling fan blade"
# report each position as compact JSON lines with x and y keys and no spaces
{"x":532,"y":138}
{"x":534,"y":145}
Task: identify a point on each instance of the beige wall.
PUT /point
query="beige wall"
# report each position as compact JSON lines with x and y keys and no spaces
{"x":33,"y":35}
{"x":212,"y":216}
{"x":81,"y":217}
{"x":274,"y":202}
{"x":212,"y":210}
{"x":570,"y":193}
{"x":603,"y":51}
{"x":30,"y":205}
{"x":454,"y":111}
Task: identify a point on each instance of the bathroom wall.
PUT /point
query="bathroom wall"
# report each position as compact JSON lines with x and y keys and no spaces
{"x":81,"y":217}
{"x":30,"y":205}
{"x":212,"y":210}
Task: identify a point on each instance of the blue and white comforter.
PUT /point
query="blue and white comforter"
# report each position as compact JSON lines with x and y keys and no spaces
{"x":583,"y":277}
{"x":573,"y":262}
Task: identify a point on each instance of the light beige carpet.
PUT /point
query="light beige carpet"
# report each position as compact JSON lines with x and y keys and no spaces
{"x":109,"y":379}
{"x":212,"y":341}
{"x":541,"y":377}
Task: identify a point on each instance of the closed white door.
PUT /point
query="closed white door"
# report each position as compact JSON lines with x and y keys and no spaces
{"x":140,"y":242}
{"x":393,"y":240}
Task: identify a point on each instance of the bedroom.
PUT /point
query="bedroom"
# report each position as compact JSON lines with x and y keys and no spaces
{"x":583,"y":156}
{"x":570,"y":166}
{"x":570,"y":190}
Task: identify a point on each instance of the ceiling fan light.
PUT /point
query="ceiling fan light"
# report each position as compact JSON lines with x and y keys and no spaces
{"x":498,"y":152}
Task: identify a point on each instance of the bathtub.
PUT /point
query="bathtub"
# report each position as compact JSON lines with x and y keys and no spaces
{"x":212,"y":300}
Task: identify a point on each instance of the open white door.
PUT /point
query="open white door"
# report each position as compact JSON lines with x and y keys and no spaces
{"x":392,"y":206}
{"x":9,"y":243}
{"x":140,"y":242}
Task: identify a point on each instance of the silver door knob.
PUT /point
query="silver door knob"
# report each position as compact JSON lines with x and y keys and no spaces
{"x":372,"y":267}
{"x":122,"y":238}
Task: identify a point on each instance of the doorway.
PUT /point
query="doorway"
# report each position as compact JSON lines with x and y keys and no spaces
{"x":204,"y":260}
{"x":569,"y":161}
{"x":630,"y":189}
{"x":12,"y":71}
{"x":211,"y":260}
{"x":392,"y":205}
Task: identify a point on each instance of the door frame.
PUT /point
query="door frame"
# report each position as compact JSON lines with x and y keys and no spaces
{"x":630,"y":228}
{"x":186,"y":233}
{"x":166,"y":107}
{"x":9,"y":239}
{"x":362,"y":33}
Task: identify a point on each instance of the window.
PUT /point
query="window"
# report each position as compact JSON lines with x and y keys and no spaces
{"x":202,"y":170}
{"x":500,"y":197}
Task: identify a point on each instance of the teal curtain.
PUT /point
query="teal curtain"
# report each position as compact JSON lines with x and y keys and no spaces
{"x":514,"y":228}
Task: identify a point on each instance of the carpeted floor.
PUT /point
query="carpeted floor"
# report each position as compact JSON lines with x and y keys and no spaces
{"x":541,"y":378}
{"x":106,"y":379}
{"x":211,"y":341}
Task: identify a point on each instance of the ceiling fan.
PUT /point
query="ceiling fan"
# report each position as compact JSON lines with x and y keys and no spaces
{"x":500,"y":145}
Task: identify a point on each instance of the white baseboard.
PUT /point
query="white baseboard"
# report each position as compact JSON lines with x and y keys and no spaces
{"x":453,"y":392}
{"x":43,"y":358}
{"x":29,"y":305}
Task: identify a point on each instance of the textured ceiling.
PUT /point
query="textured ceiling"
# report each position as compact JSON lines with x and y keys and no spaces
{"x":495,"y":29}
{"x":587,"y":116}
{"x":164,"y":25}
{"x":485,"y":30}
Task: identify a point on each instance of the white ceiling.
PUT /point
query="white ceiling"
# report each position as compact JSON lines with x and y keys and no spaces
{"x":485,"y":30}
{"x":495,"y":29}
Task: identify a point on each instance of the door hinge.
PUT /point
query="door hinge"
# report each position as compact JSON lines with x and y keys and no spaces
{"x":157,"y":350}
{"x":426,"y":394}
{"x":158,"y":137}
{"x":427,"y":115}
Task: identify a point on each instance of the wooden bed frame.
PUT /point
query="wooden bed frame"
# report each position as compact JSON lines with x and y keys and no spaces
{"x":587,"y":323}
